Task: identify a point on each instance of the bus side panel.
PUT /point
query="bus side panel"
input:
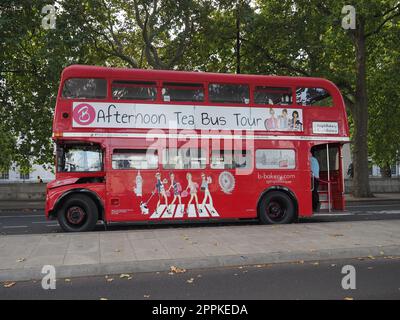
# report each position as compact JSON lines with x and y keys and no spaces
{"x":297,"y":183}
{"x":133,"y":195}
{"x":228,"y":196}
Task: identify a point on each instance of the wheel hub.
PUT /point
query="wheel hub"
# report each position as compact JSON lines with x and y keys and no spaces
{"x":275,"y":210}
{"x":75,"y":215}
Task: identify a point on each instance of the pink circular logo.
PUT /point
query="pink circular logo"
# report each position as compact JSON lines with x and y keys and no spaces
{"x":84,"y":114}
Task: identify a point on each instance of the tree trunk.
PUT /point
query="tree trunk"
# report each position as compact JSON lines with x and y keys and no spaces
{"x":361,"y":187}
{"x":238,"y":38}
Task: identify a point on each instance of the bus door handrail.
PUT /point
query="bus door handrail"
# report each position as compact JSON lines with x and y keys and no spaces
{"x":329,"y":183}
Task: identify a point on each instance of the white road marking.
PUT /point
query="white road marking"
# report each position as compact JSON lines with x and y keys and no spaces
{"x":332,"y":214}
{"x":374,"y":205}
{"x":360,"y":213}
{"x":24,"y":216}
{"x":380,"y":212}
{"x":14,"y":227}
{"x":40,"y":222}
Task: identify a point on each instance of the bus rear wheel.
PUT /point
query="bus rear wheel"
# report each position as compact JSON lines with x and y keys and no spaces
{"x":78,"y":213}
{"x":276,"y":207}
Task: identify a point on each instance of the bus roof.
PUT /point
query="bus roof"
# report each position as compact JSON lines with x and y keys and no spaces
{"x":80,"y":71}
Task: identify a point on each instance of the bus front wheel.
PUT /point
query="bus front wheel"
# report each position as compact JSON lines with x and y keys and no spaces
{"x":78,"y":213}
{"x":276,"y":207}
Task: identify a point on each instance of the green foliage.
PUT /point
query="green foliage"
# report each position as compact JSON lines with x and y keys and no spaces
{"x":384,"y":110}
{"x":285,"y":37}
{"x":7,"y":142}
{"x":31,"y":61}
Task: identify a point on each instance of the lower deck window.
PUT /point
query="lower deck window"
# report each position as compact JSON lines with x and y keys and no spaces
{"x":184,"y":158}
{"x":230,"y":159}
{"x":79,"y":158}
{"x":134,"y":159}
{"x":275,"y":159}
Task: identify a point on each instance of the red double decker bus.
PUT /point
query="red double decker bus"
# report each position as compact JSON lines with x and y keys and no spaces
{"x":147,"y":145}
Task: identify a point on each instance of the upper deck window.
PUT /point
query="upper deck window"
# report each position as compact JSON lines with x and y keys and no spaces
{"x":273,"y":95}
{"x":172,"y":91}
{"x":229,"y":93}
{"x":84,"y":88}
{"x":313,"y":97}
{"x":134,"y":90}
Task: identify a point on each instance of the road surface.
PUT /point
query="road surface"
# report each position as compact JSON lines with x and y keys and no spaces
{"x":375,"y":278}
{"x":33,"y":222}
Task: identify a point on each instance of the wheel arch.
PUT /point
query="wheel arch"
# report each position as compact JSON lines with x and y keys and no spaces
{"x":66,"y":195}
{"x":284,"y":189}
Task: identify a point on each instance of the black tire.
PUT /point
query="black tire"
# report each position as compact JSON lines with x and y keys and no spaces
{"x":78,"y":213}
{"x":276,"y":207}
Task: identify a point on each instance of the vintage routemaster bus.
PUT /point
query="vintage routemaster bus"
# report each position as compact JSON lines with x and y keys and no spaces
{"x":155,"y":145}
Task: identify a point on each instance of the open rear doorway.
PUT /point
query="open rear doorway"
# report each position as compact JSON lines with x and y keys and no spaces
{"x":331,"y":186}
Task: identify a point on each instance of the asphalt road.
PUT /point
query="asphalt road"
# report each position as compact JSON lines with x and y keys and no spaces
{"x":375,"y":278}
{"x":33,"y":222}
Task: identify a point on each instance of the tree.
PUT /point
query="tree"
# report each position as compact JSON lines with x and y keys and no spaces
{"x":289,"y":37}
{"x":31,"y":61}
{"x":139,"y":33}
{"x":305,"y":38}
{"x":6,"y":146}
{"x":372,"y":18}
{"x":384,"y":111}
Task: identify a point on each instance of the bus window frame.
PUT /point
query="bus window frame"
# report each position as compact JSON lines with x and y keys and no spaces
{"x":228,"y":104}
{"x":111,"y":80}
{"x":62,"y":98}
{"x":111,"y":169}
{"x":77,"y":144}
{"x":206,"y":153}
{"x":111,"y":99}
{"x":296,"y":163}
{"x":292,"y":88}
{"x":314,"y":106}
{"x":250,"y":155}
{"x":205,"y":99}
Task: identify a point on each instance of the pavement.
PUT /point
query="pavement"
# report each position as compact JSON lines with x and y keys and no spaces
{"x":151,"y":250}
